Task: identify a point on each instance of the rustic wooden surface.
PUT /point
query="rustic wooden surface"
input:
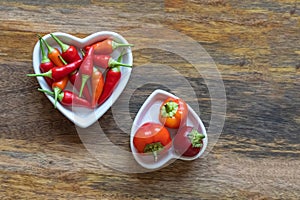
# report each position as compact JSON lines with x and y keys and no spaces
{"x":256,"y":47}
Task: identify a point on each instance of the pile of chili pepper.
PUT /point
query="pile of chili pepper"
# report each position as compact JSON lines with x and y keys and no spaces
{"x":91,"y":71}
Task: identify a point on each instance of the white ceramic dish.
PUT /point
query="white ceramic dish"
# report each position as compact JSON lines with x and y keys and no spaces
{"x":79,"y":116}
{"x":149,"y":112}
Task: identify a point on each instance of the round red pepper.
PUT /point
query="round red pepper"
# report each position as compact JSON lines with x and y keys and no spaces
{"x":188,"y":141}
{"x":173,"y":112}
{"x":152,"y":138}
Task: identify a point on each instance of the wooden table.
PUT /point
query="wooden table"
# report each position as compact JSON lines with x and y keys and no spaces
{"x":255,"y":46}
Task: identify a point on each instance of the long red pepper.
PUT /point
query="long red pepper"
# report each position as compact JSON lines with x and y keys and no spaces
{"x":46,"y":64}
{"x":58,"y":73}
{"x":107,"y":46}
{"x":75,"y":79}
{"x":106,"y":61}
{"x":69,"y":52}
{"x":97,"y":86}
{"x":53,"y":53}
{"x":68,"y":98}
{"x":112,"y":79}
{"x":86,"y":68}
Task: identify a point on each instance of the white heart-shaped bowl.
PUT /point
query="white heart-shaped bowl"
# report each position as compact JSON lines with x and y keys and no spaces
{"x":149,"y":112}
{"x":80,"y":116}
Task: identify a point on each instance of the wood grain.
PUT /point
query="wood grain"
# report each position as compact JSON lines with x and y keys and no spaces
{"x":255,"y":45}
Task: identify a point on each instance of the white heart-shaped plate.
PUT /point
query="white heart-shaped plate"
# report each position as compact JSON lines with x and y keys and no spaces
{"x":80,"y":116}
{"x":149,"y":112}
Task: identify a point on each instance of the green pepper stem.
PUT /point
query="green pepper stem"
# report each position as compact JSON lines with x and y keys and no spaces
{"x":196,"y":138}
{"x":50,"y":49}
{"x":59,"y":95}
{"x":154,"y":148}
{"x":120,"y":57}
{"x":113,"y":63}
{"x":46,"y":91}
{"x":155,"y":155}
{"x":82,"y":52}
{"x":46,"y":74}
{"x":116,"y":69}
{"x":116,"y":45}
{"x":169,"y":109}
{"x":74,"y":72}
{"x":62,"y":60}
{"x":56,"y":94}
{"x":45,"y":58}
{"x":64,"y":47}
{"x":83,"y":82}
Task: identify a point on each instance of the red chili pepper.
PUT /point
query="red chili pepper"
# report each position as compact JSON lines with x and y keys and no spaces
{"x":75,"y":79}
{"x":97,"y":86}
{"x":53,"y":53}
{"x":58,"y":73}
{"x":69,"y":52}
{"x":86,"y":69}
{"x":45,"y":64}
{"x":68,"y":98}
{"x":107,"y":46}
{"x":112,"y":79}
{"x":106,"y":61}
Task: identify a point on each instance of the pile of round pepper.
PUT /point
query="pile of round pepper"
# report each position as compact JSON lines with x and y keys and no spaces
{"x":154,"y":138}
{"x":93,"y":72}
